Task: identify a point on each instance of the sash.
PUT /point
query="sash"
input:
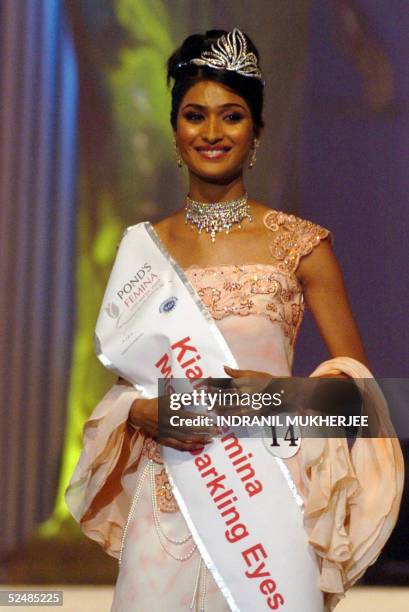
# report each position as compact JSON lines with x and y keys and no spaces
{"x":238,"y":501}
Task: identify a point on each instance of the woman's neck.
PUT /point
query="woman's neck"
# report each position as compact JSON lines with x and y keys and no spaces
{"x":204,"y":191}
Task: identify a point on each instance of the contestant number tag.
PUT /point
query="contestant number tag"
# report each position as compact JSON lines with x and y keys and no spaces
{"x":283,"y":440}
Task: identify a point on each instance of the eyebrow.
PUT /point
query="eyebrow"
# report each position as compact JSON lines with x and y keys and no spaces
{"x":203,"y":107}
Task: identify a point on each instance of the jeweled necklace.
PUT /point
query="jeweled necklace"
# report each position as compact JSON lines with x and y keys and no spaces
{"x":214,"y":217}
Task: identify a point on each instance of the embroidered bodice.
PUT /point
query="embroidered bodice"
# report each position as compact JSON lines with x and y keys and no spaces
{"x":250,"y":289}
{"x":245,"y":299}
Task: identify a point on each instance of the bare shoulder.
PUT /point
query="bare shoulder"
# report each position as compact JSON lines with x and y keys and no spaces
{"x":325,"y":293}
{"x":259,"y":210}
{"x":321,"y":263}
{"x":166,"y":222}
{"x":169,"y":225}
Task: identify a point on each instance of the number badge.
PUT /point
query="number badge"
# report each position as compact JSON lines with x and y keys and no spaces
{"x":283,"y":440}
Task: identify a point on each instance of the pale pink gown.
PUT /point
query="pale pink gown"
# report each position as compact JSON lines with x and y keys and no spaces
{"x":351,"y":499}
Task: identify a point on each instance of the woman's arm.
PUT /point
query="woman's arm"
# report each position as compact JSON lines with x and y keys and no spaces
{"x":143,"y":414}
{"x":326,"y":297}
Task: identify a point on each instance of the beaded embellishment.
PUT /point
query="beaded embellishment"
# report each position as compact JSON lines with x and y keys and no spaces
{"x":251,"y":289}
{"x":163,"y":491}
{"x":151,"y":450}
{"x":297,"y":240}
{"x":164,"y":496}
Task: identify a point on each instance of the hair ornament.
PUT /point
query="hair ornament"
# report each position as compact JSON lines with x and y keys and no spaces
{"x":229,"y":52}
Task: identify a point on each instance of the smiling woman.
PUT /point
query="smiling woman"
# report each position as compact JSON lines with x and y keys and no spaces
{"x":253,"y":275}
{"x":214,"y":134}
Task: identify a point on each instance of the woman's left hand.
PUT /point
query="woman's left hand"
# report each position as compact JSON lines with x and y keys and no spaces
{"x":249,"y":381}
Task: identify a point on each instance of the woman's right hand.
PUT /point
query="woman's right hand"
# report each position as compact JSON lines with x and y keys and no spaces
{"x":144,"y":414}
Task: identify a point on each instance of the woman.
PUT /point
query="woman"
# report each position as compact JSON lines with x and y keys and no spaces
{"x":253,"y":268}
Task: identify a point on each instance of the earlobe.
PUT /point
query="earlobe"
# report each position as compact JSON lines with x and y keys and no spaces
{"x":253,"y":153}
{"x":258,"y":132}
{"x":178,"y":157}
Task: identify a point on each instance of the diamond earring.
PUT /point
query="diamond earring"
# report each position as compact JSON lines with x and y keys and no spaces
{"x":253,"y":153}
{"x":178,"y":158}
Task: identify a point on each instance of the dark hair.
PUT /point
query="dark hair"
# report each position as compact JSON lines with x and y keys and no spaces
{"x":187,"y":75}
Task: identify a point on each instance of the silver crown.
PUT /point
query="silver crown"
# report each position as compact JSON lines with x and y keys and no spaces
{"x":229,"y":52}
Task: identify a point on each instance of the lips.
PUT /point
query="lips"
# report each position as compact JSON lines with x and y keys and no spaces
{"x":213,"y":152}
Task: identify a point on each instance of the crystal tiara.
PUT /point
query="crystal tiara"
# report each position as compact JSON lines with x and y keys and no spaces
{"x":229,"y":52}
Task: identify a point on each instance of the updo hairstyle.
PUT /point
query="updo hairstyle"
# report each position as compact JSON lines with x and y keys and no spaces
{"x":185,"y":76}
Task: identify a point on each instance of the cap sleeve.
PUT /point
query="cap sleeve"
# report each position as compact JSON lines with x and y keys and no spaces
{"x":293,"y":238}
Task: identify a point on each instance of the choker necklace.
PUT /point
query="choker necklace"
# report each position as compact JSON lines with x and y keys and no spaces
{"x":214,"y":217}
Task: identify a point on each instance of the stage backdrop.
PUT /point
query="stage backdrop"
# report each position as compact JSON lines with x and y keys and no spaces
{"x":333,"y":151}
{"x":37,"y":236}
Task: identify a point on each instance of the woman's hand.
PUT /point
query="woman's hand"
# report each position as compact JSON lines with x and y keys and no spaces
{"x":249,"y":381}
{"x":144,"y":415}
{"x":240,"y":382}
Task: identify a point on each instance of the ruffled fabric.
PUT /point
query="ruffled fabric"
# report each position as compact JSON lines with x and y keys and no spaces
{"x":102,"y":486}
{"x":352,"y":497}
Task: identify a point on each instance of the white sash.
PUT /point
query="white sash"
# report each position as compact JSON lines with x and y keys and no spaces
{"x":238,"y":501}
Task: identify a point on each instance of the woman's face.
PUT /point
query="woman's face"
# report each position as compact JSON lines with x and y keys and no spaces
{"x":214,"y":132}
